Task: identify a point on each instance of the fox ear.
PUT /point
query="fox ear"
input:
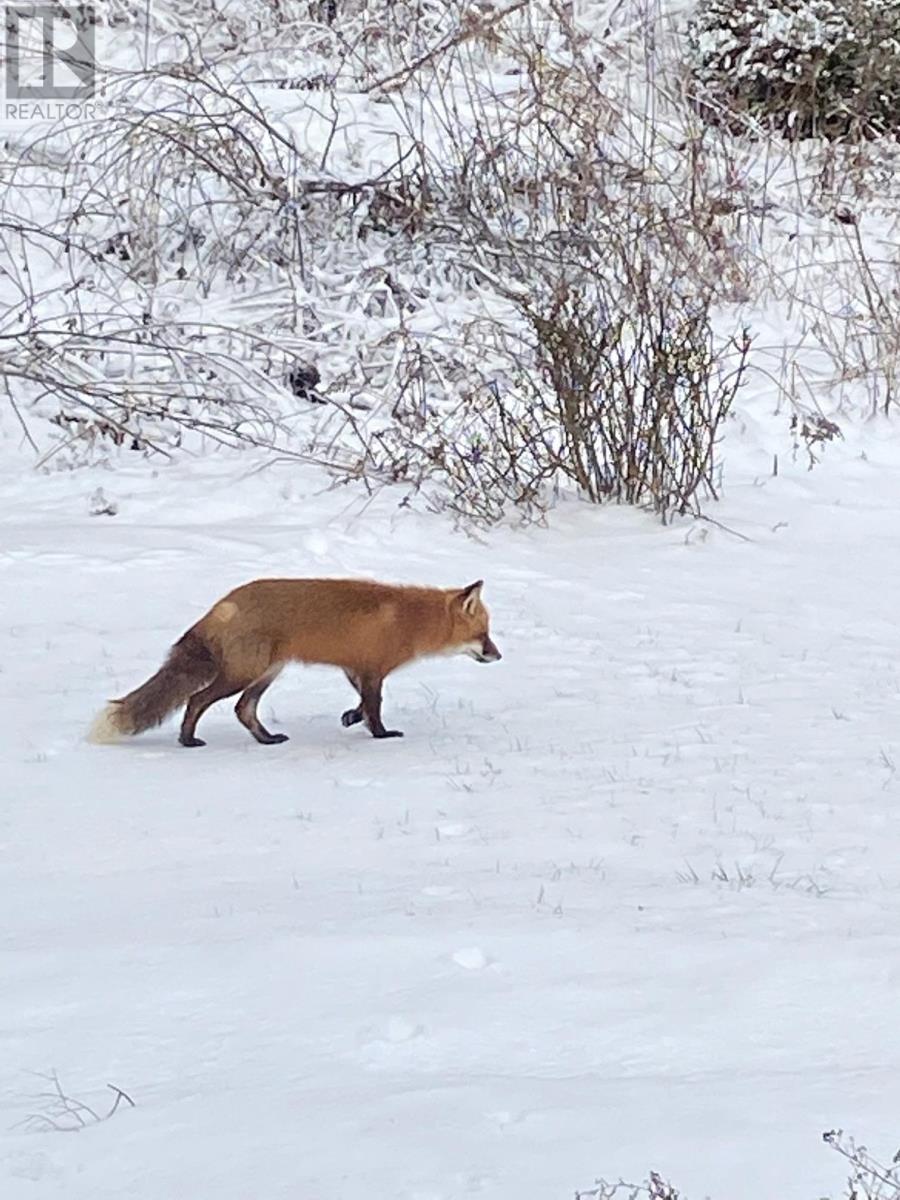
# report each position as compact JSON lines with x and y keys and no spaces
{"x":470,"y":596}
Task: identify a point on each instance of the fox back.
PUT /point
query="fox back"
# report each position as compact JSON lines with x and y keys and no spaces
{"x":361,"y":626}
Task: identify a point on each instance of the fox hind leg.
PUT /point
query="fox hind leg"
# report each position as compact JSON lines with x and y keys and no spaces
{"x":220,"y":688}
{"x":246,"y":709}
{"x":353,"y":716}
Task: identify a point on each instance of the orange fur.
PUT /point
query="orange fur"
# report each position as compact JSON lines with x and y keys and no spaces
{"x":368,"y":629}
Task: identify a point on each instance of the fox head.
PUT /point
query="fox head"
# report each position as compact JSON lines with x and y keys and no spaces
{"x":469,"y":624}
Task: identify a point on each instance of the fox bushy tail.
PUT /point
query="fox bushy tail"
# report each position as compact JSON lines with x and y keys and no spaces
{"x":190,"y":665}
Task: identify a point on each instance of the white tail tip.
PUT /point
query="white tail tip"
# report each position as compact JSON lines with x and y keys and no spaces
{"x":105,"y":729}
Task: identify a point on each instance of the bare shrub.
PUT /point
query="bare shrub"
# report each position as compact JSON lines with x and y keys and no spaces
{"x":654,"y":1187}
{"x":812,"y":431}
{"x":179,"y":224}
{"x":621,"y":392}
{"x":862,"y":338}
{"x":839,"y":288}
{"x":489,"y":252}
{"x":591,"y":243}
{"x":869,"y":1179}
{"x":62,"y":1113}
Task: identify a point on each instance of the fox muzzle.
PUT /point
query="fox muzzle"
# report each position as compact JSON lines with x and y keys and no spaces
{"x":489,"y":652}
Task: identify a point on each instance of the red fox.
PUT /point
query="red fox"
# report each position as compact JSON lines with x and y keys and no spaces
{"x":243,"y":642}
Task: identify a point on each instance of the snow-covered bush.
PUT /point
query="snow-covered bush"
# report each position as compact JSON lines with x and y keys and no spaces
{"x":489,"y":295}
{"x":582,"y":354}
{"x":355,"y":254}
{"x":175,"y":261}
{"x":804,"y":68}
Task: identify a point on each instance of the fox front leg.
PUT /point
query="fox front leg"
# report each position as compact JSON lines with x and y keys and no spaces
{"x":370,"y":693}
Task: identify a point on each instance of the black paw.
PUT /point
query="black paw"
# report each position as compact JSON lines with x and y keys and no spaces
{"x":273,"y":739}
{"x":351,"y":717}
{"x":383,"y":733}
{"x":192,"y":741}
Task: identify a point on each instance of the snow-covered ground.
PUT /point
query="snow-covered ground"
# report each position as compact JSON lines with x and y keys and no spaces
{"x":627,"y":900}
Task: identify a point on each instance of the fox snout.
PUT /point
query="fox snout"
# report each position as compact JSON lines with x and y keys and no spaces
{"x":486,"y":652}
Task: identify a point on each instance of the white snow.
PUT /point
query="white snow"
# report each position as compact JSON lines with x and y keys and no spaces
{"x":627,"y":900}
